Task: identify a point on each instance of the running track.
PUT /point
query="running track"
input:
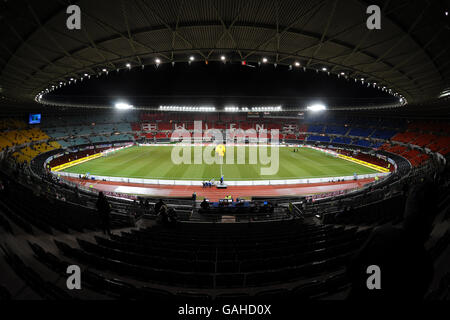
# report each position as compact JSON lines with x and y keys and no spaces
{"x":214,"y":194}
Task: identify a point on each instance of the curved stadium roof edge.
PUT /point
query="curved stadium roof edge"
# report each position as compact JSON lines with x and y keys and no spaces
{"x":409,"y":54}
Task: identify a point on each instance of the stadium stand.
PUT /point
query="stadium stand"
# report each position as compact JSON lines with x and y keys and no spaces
{"x":336,"y":130}
{"x":360,"y":132}
{"x":318,"y":138}
{"x":304,"y":257}
{"x":342,"y":140}
{"x":89,"y":177}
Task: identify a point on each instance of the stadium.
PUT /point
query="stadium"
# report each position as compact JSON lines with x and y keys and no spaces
{"x":224,"y":152}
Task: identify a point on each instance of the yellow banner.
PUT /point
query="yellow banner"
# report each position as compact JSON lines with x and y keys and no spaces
{"x":364,"y":163}
{"x":75,"y":162}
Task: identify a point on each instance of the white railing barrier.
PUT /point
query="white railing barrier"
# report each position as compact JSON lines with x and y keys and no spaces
{"x":95,"y":178}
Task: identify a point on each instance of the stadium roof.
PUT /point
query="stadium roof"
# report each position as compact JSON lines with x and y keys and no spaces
{"x":410,"y":54}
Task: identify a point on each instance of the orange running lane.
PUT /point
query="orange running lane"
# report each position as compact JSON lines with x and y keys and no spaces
{"x":215,"y":194}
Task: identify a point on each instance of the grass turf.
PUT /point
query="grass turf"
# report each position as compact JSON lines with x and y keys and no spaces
{"x":156,"y":163}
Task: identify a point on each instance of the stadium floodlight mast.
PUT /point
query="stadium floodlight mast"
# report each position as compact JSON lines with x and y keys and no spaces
{"x":317,"y":107}
{"x":123,"y":106}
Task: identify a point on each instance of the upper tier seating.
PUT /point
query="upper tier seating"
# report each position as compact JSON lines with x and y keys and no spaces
{"x":315,"y":128}
{"x":405,"y":137}
{"x":136,"y":126}
{"x":424,"y":140}
{"x":441,"y":145}
{"x":383,"y":134}
{"x":28,"y":153}
{"x":302,"y":128}
{"x":343,"y":140}
{"x":318,"y":138}
{"x":362,"y":143}
{"x":20,"y":137}
{"x":360,"y":132}
{"x":415,"y":157}
{"x":336,"y":130}
{"x":11,"y":124}
{"x":165,"y":126}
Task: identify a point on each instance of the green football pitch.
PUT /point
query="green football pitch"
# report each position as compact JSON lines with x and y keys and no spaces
{"x":156,"y":163}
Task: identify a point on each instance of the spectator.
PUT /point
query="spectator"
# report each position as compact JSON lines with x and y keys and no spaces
{"x":204,"y":205}
{"x":194,"y":197}
{"x":405,"y":265}
{"x":104,"y":210}
{"x":163,"y":216}
{"x":146,"y":205}
{"x":158,"y":206}
{"x":172,"y":216}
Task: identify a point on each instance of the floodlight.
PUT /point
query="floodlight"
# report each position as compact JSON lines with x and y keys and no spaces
{"x":297,"y":64}
{"x":191,"y":58}
{"x":158,"y":61}
{"x":264,"y":60}
{"x":316,"y":107}
{"x":123,"y":106}
{"x":128,"y":65}
{"x":223,"y":58}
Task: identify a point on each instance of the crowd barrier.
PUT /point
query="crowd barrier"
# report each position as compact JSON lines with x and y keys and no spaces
{"x":228,"y":183}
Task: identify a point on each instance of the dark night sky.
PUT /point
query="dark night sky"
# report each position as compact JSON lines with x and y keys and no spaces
{"x":222,"y":84}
